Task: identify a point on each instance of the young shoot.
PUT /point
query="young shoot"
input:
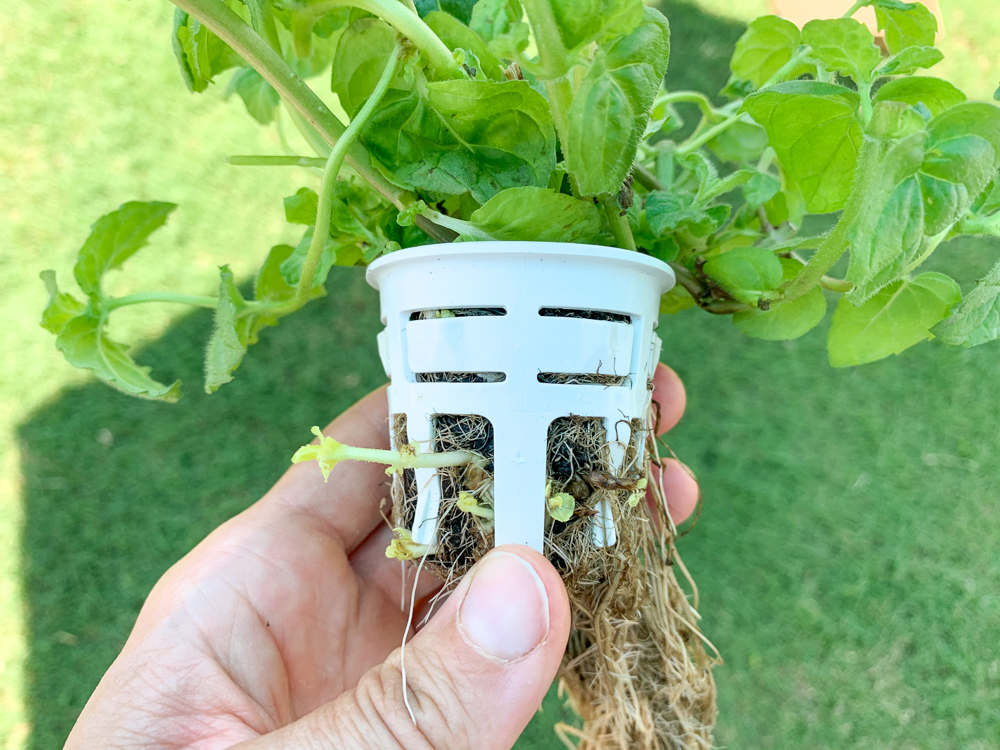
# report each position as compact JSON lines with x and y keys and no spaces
{"x":467,"y":503}
{"x":561,"y":506}
{"x":404,"y":548}
{"x":638,"y":493}
{"x":329,"y":452}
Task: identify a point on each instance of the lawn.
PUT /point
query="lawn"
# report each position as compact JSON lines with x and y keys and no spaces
{"x":848,"y":554}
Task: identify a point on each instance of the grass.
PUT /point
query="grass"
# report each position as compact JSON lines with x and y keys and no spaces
{"x":849,"y":550}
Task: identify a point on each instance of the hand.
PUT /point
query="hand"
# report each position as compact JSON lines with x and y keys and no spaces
{"x":282,"y":628}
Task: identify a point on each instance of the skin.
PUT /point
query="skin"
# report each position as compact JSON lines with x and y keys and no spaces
{"x":282,"y":628}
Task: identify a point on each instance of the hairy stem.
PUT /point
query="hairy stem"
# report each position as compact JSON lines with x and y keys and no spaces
{"x":143,"y":297}
{"x":619,"y":223}
{"x":645,"y":177}
{"x":843,"y":286}
{"x":692,"y":97}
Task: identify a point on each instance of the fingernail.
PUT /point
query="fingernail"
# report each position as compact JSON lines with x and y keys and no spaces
{"x":505,"y":613}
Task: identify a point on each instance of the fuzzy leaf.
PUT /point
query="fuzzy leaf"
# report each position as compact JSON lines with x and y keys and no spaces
{"x":84,"y":343}
{"x":258,"y":95}
{"x":909,"y":60}
{"x":813,"y":130}
{"x":581,"y":22}
{"x":788,"y":320}
{"x":843,"y":45}
{"x":460,"y":9}
{"x":611,"y":108}
{"x":452,"y":137}
{"x":933,"y":93}
{"x":768,"y":43}
{"x":895,"y":319}
{"x":458,"y":36}
{"x":976,"y":319}
{"x":200,"y":54}
{"x":760,"y":188}
{"x":361,"y":56}
{"x":61,"y":307}
{"x":909,"y":26}
{"x":225,"y":348}
{"x":668,"y":212}
{"x":301,"y":207}
{"x":116,"y":237}
{"x":532,"y":213}
{"x":748,"y":274}
{"x":495,"y":18}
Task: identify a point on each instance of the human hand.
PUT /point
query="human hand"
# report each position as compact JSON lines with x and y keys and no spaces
{"x":282,"y":628}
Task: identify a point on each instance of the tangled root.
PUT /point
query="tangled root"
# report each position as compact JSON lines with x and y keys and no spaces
{"x":636,"y":668}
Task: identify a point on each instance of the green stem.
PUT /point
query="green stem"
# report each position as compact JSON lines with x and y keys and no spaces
{"x":865,"y":92}
{"x":693,"y":97}
{"x":836,"y":285}
{"x":401,"y":18}
{"x":645,"y":177}
{"x":553,"y":59}
{"x":619,"y":224}
{"x":856,"y":7}
{"x":143,"y":297}
{"x":698,"y":140}
{"x":276,"y":161}
{"x":334,"y":162}
{"x":405,"y":460}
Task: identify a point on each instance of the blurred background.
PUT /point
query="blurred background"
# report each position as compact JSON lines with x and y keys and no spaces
{"x":848,"y":554}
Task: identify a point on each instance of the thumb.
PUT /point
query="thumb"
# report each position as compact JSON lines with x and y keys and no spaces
{"x":475,"y":674}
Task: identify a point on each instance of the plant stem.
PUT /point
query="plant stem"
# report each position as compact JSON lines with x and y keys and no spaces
{"x":646,"y":178}
{"x":553,"y":58}
{"x":401,"y":18}
{"x":856,"y":7}
{"x":865,"y":92}
{"x":228,"y":26}
{"x":619,"y":224}
{"x":137,"y":299}
{"x":334,"y":162}
{"x":697,"y":140}
{"x":693,"y":97}
{"x":836,"y":285}
{"x":276,"y":161}
{"x":405,"y":460}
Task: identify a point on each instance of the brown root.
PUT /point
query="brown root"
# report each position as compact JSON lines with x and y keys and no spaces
{"x":636,"y":668}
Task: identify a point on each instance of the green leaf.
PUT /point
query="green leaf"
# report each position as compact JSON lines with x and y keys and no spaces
{"x":747,"y":274}
{"x":976,"y":319}
{"x":458,"y":36}
{"x":760,"y":189}
{"x":768,"y":43}
{"x":291,"y":266}
{"x":813,"y":131}
{"x":610,"y":110}
{"x":495,"y":18}
{"x":361,"y":56}
{"x":460,"y":9}
{"x":225,"y":348}
{"x":895,"y":319}
{"x":301,"y":207}
{"x":912,"y":26}
{"x":909,"y":60}
{"x":84,"y":343}
{"x":933,"y":93}
{"x":533,"y":213}
{"x":740,"y":143}
{"x":843,"y":45}
{"x":668,"y":212}
{"x":200,"y":54}
{"x":787,"y":320}
{"x":258,"y":95}
{"x":114,"y":238}
{"x":581,"y":22}
{"x":61,"y":306}
{"x":452,"y":137}
{"x":915,"y":190}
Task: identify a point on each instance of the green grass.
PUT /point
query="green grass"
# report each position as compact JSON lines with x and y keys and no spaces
{"x":849,"y":550}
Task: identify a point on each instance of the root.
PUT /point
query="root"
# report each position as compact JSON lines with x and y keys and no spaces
{"x":637,"y":668}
